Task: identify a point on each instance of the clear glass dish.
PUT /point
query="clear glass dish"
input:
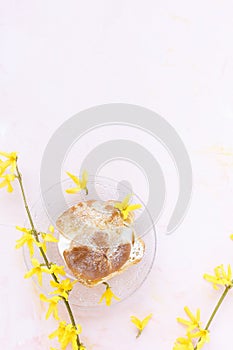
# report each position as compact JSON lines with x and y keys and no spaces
{"x":55,"y":201}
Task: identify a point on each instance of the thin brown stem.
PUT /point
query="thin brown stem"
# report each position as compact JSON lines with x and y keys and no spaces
{"x":46,"y":260}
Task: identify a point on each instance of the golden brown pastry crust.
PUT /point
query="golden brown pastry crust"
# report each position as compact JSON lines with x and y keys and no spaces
{"x":92,"y":265}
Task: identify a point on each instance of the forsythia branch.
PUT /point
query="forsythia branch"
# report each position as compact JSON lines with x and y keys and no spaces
{"x":47,"y":263}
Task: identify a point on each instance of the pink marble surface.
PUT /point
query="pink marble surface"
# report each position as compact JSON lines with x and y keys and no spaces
{"x":174,"y":57}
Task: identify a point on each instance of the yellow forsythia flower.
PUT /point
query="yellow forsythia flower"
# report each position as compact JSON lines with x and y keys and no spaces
{"x":57,"y":270}
{"x":194,"y":331}
{"x":108,"y":295}
{"x":221,"y":277}
{"x":48,"y":237}
{"x":52,"y":306}
{"x":140,"y":324}
{"x":63,"y":287}
{"x":202,"y":335}
{"x":183,"y":344}
{"x":27,"y":238}
{"x":70,"y":336}
{"x":11,"y":159}
{"x":37,"y":270}
{"x":193,"y":322}
{"x":67,"y":334}
{"x":125,"y":208}
{"x":7,"y":180}
{"x":59,"y":332}
{"x":81,"y":184}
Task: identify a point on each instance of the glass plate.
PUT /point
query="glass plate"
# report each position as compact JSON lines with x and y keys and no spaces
{"x":55,"y":201}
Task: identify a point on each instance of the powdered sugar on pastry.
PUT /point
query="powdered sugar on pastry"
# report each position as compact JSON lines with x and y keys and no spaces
{"x":98,"y":243}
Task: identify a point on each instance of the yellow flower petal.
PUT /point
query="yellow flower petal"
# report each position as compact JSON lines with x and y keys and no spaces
{"x":221,"y":277}
{"x":67,"y":334}
{"x":44,"y":298}
{"x":189,"y":314}
{"x":52,"y":309}
{"x":12,"y":156}
{"x":58,"y":270}
{"x":108,"y":295}
{"x":193,"y":322}
{"x":74,"y":178}
{"x":39,"y":276}
{"x":126,"y":200}
{"x":29,"y":274}
{"x":136,"y":322}
{"x":146,"y":320}
{"x":23,"y":229}
{"x":203,"y":337}
{"x":125,"y":208}
{"x":27,"y":238}
{"x":49,"y":238}
{"x":4,"y":166}
{"x":84,"y":179}
{"x":140,"y":324}
{"x":62,"y":288}
{"x":51,"y":228}
{"x":134,"y":207}
{"x":7,"y":179}
{"x":59,"y":332}
{"x":73,"y":190}
{"x":36,"y":270}
{"x":183,"y":344}
{"x":9,"y":162}
{"x":80,"y":184}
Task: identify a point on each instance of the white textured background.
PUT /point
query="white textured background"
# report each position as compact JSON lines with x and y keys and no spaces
{"x":174,"y":57}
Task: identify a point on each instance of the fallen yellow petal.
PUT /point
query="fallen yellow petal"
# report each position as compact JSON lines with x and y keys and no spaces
{"x":140,"y":324}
